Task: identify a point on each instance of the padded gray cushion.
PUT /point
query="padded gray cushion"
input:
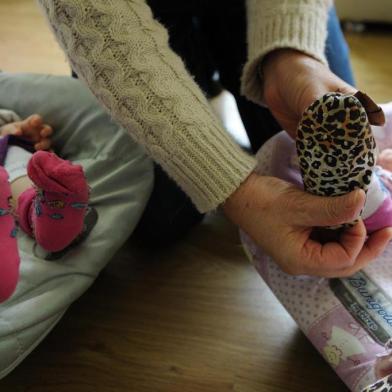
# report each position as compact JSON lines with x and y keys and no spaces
{"x":120,"y":176}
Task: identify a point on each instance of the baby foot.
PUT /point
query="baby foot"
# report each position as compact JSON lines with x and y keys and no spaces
{"x":335,"y":147}
{"x":9,"y":259}
{"x":54,"y":212}
{"x":33,"y":129}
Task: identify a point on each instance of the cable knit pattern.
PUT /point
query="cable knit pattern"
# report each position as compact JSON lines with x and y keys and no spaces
{"x":122,"y":54}
{"x":274,"y":24}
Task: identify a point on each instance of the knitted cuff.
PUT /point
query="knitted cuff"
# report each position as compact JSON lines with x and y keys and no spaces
{"x":301,"y":26}
{"x":122,"y":54}
{"x":209,"y":168}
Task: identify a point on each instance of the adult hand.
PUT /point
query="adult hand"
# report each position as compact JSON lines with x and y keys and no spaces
{"x":293,"y":80}
{"x":280,"y":218}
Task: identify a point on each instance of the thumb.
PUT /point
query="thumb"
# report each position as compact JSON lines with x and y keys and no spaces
{"x":331,"y":211}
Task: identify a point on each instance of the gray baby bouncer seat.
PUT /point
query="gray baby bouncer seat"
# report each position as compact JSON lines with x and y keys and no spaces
{"x":120,"y":176}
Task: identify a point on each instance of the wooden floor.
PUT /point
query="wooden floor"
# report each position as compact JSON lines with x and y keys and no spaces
{"x":193,"y":318}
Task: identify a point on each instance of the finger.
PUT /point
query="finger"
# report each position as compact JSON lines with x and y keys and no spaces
{"x":44,"y":144}
{"x":344,"y":88}
{"x":310,"y":210}
{"x":375,"y":113}
{"x":329,"y":82}
{"x":350,"y":244}
{"x":31,"y":125}
{"x":373,"y":248}
{"x":376,"y":244}
{"x":326,"y":260}
{"x":46,"y":131}
{"x":35,"y":120}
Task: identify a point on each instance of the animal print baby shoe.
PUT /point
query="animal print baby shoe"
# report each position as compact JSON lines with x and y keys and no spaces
{"x":335,"y":146}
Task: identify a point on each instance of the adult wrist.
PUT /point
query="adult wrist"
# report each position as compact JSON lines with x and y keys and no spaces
{"x":252,"y":193}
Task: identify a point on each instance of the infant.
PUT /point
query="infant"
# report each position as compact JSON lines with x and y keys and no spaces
{"x":41,"y":193}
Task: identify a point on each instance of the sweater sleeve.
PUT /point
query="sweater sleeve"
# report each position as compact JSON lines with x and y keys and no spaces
{"x":8,"y":116}
{"x":276,"y":24}
{"x":122,"y":54}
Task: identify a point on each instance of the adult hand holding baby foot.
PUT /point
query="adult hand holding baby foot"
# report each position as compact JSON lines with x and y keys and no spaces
{"x":282,"y":220}
{"x":33,"y":129}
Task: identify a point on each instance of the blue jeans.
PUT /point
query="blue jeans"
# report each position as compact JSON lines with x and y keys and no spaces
{"x":337,"y":50}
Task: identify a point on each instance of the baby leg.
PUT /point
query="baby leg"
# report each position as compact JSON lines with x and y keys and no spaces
{"x":13,"y":179}
{"x":9,"y":259}
{"x":53,"y":210}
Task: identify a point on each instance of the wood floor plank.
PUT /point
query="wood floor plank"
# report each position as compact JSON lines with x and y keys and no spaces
{"x":195,"y":317}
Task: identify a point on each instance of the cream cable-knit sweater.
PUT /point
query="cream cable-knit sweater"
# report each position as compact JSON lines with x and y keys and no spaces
{"x":122,"y":54}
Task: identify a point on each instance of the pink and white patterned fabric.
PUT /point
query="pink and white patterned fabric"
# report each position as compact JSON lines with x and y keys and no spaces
{"x":348,"y":320}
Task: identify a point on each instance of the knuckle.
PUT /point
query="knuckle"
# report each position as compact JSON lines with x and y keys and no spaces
{"x":351,"y":212}
{"x":350,"y":269}
{"x":296,"y":204}
{"x":349,"y":264}
{"x":332,"y":210}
